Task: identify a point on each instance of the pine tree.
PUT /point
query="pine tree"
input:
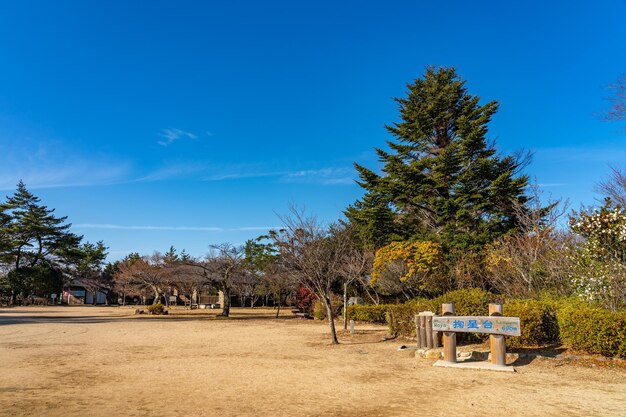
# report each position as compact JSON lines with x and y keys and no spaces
{"x":441,"y":180}
{"x":34,"y":232}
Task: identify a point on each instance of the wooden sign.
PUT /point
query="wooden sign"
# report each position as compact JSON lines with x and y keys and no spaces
{"x":508,"y":326}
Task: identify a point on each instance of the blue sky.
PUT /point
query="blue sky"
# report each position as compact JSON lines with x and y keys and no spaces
{"x":181,"y":123}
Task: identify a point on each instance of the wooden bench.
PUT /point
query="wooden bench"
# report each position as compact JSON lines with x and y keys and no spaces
{"x":187,"y":302}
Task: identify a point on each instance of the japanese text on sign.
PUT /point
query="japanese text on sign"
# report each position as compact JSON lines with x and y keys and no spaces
{"x":509,"y":326}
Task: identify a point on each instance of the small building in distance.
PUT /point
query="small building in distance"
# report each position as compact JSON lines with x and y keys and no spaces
{"x":77,"y":294}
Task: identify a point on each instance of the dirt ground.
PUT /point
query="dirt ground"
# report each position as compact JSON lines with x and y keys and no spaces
{"x":96,"y":361}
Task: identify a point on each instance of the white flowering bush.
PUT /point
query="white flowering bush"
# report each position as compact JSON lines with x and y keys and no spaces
{"x":600,"y":262}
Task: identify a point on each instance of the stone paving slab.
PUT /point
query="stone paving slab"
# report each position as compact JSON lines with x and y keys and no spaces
{"x":488,"y":366}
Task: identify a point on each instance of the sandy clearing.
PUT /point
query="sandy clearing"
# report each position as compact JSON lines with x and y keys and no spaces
{"x":106,"y":361}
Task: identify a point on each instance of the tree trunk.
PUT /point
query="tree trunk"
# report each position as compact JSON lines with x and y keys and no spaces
{"x":370,"y":296}
{"x":278,"y":311}
{"x":345,"y":306}
{"x":331,"y":321}
{"x":226,"y":307}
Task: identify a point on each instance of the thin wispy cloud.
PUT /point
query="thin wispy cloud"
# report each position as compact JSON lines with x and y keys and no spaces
{"x":203,"y":171}
{"x":171,"y":228}
{"x":171,"y":135}
{"x":326,"y":176}
{"x":178,"y":170}
{"x":52,"y":165}
{"x":255,"y":228}
{"x":243,"y":175}
{"x":552,"y":184}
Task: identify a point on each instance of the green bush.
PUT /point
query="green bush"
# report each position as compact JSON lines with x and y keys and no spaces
{"x":467,"y":302}
{"x":401,"y":317}
{"x":593,"y":329}
{"x":544,"y":321}
{"x":538,"y":322}
{"x":369,"y":313}
{"x":319,"y":311}
{"x":156,"y":309}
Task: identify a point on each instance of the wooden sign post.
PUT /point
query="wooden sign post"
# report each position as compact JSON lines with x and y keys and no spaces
{"x":449,"y":338}
{"x":496,"y":341}
{"x":495,"y":325}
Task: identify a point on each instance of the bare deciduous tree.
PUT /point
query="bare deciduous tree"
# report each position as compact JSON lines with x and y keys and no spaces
{"x":145,"y":272}
{"x":314,"y":256}
{"x":617,"y":111}
{"x":614,"y":187}
{"x":279,"y":282}
{"x":222,"y":266}
{"x":535,"y":258}
{"x":355,"y":266}
{"x":186,"y":278}
{"x":246,"y":285}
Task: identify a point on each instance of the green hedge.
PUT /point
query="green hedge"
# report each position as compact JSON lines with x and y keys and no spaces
{"x":593,"y":329}
{"x":319,"y":311}
{"x":156,"y":308}
{"x":369,"y":313}
{"x":544,"y":321}
{"x":470,"y":302}
{"x":538,"y":320}
{"x":401,"y":317}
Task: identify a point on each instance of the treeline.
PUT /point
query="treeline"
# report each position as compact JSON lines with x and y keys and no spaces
{"x":444,"y":211}
{"x":39,"y":255}
{"x":302,"y":262}
{"x":447,"y":211}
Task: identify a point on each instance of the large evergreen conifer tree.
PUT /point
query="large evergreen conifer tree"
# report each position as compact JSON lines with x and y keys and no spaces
{"x":441,"y":179}
{"x":37,"y":249}
{"x":34,"y":232}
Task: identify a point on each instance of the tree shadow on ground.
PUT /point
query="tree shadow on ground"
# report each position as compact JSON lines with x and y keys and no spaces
{"x":47,"y":318}
{"x":256,"y":317}
{"x":86,"y":319}
{"x":528,"y":355}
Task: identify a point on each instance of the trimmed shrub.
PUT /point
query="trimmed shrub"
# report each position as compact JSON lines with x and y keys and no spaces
{"x":369,"y":313}
{"x":544,"y":321}
{"x":468,"y":302}
{"x":401,"y":317}
{"x":156,"y":309}
{"x":538,"y":322}
{"x":319,"y":311}
{"x":593,"y":329}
